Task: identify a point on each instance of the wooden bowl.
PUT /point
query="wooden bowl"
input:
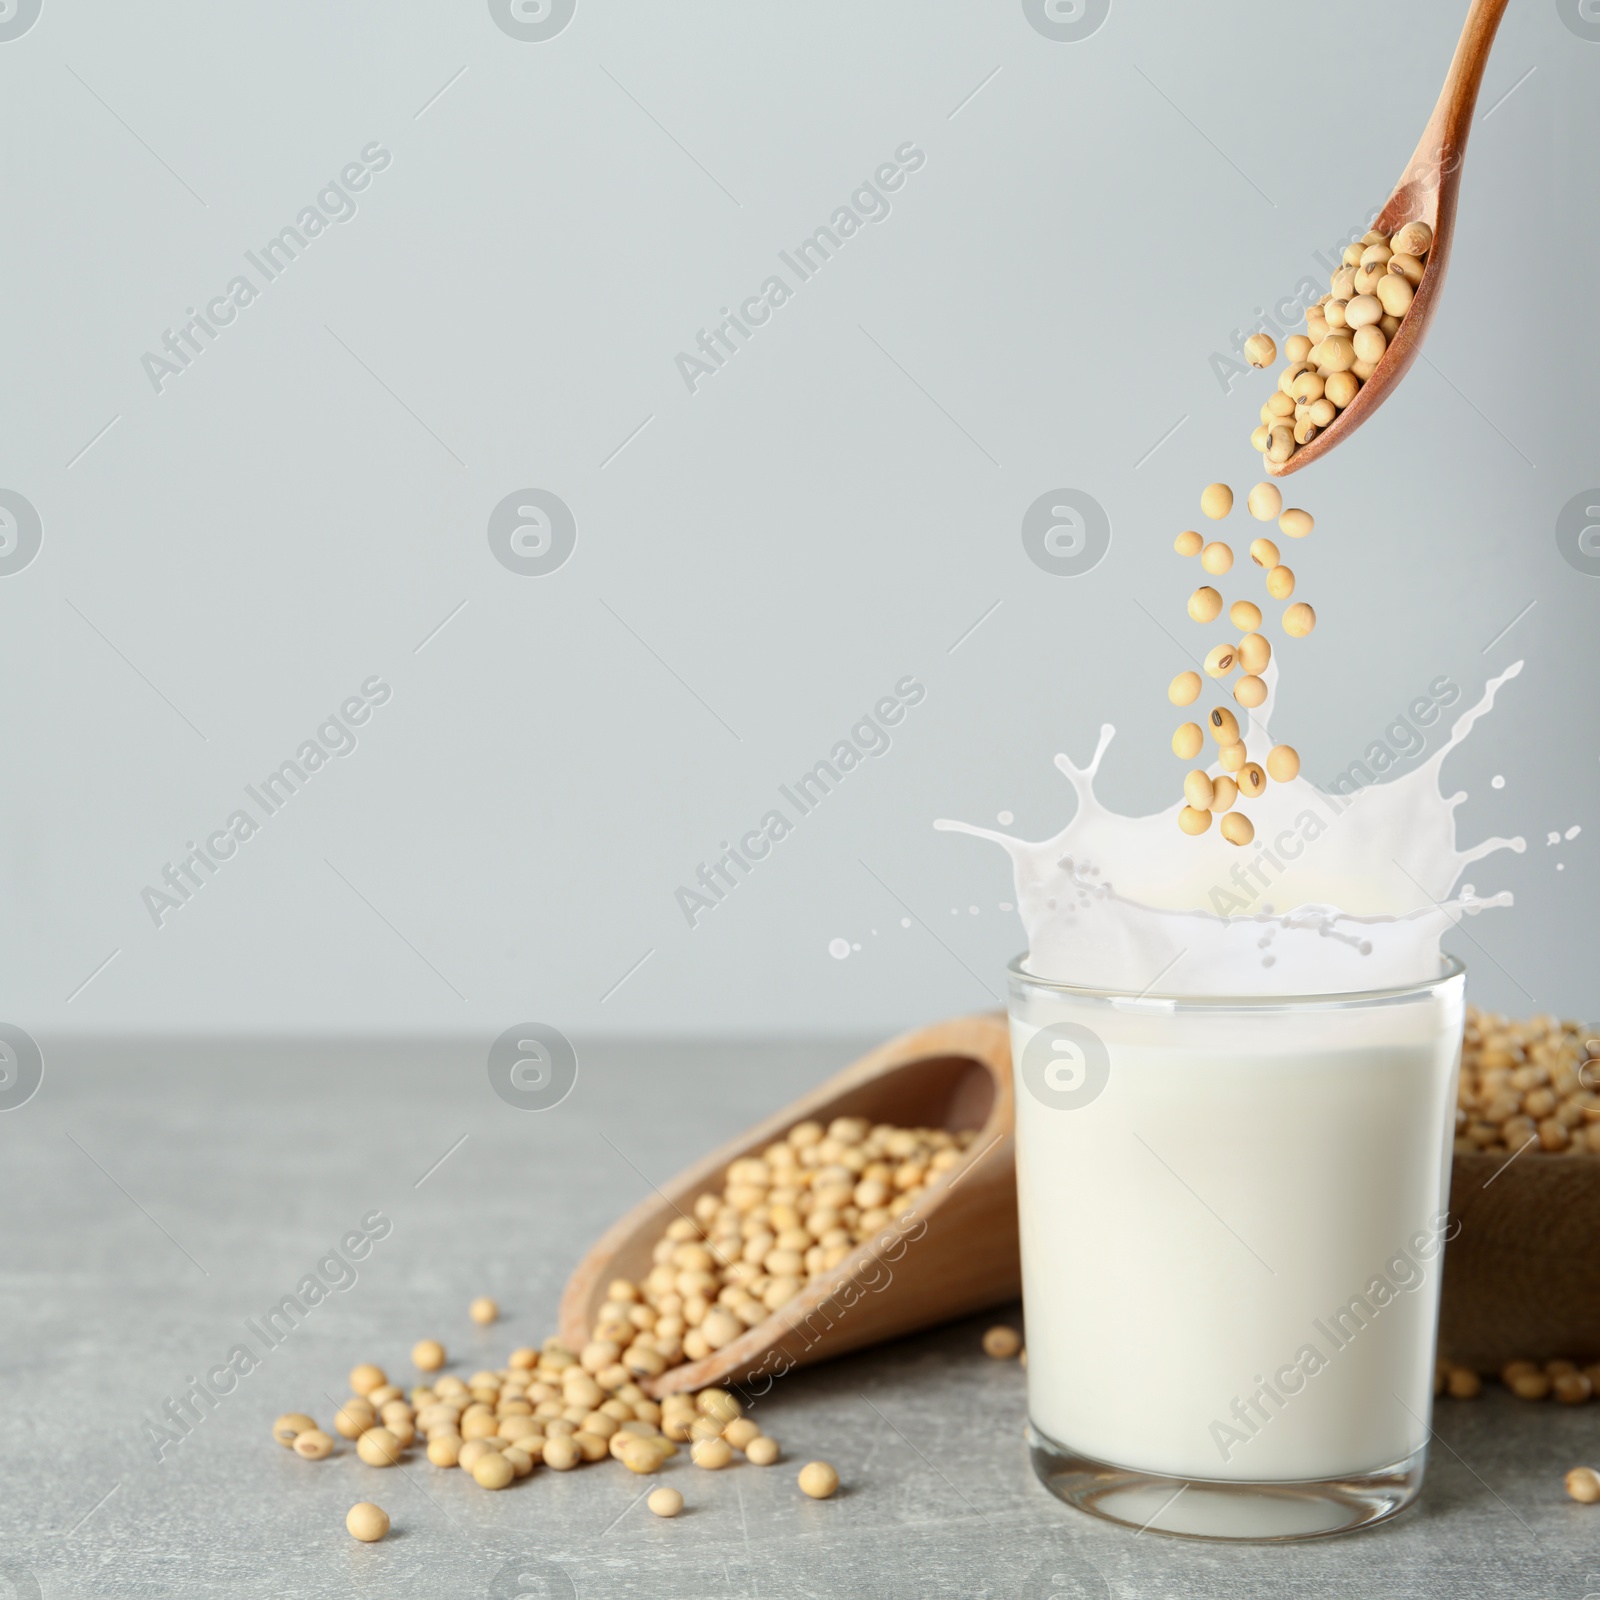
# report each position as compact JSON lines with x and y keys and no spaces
{"x":1522,"y":1276}
{"x":957,"y":1254}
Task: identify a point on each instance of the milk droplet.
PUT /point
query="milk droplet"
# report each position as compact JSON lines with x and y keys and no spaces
{"x":1552,"y":838}
{"x":1005,"y":819}
{"x":1006,"y":905}
{"x":855,"y":947}
{"x":1497,"y":782}
{"x":972,"y":911}
{"x":839,"y":948}
{"x":905,"y":922}
{"x":1573,"y":831}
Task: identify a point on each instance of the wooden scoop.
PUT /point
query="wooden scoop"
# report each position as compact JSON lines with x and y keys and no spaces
{"x":955,"y":1254}
{"x":1427,"y":193}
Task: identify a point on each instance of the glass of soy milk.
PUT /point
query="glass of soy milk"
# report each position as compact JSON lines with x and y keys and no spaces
{"x":1235,"y":1099}
{"x":1233,"y":1217}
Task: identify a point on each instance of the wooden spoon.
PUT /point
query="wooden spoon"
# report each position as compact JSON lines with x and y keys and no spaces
{"x":1427,"y":193}
{"x":957,"y":1253}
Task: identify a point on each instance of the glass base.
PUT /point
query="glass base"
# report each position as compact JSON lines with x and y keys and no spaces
{"x":1215,"y":1508}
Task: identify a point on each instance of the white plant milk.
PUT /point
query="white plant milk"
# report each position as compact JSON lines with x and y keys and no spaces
{"x":1231,"y":1253}
{"x":1233,"y":1213}
{"x":1337,"y":893}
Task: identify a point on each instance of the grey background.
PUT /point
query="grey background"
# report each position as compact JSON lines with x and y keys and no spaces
{"x":222,"y":564}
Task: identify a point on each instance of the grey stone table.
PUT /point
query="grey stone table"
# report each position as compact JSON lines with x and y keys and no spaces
{"x":154,"y":1198}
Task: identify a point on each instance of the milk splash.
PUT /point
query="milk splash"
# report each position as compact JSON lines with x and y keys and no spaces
{"x":1337,"y":893}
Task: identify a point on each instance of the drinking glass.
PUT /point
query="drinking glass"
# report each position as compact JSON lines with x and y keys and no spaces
{"x":1233,"y":1215}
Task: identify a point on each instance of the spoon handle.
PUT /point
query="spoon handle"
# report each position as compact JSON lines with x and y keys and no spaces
{"x":1431,"y":174}
{"x":1459,"y":96}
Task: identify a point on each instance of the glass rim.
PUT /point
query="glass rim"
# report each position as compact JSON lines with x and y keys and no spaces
{"x":1451,"y":968}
